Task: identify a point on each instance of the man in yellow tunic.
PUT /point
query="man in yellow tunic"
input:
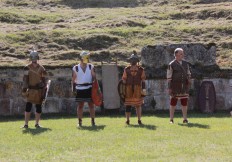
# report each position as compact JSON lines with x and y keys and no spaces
{"x":34,"y":85}
{"x":134,"y":79}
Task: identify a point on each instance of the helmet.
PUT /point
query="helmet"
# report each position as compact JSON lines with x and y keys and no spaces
{"x":34,"y":55}
{"x":85,"y":56}
{"x":134,"y":57}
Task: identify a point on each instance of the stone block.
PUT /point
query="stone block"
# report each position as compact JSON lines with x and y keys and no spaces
{"x":52,"y":105}
{"x":160,"y":55}
{"x":5,"y":106}
{"x":19,"y":105}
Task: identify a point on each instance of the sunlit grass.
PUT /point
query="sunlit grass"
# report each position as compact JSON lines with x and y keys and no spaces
{"x":206,"y":138}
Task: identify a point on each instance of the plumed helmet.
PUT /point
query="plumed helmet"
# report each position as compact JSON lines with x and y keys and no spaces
{"x":85,"y":56}
{"x":134,"y":57}
{"x":34,"y":55}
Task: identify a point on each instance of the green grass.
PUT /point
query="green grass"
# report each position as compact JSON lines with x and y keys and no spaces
{"x":206,"y":138}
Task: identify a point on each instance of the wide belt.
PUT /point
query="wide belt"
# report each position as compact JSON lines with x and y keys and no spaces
{"x":35,"y":87}
{"x":83,"y":85}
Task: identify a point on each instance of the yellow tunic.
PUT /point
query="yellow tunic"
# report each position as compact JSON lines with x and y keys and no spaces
{"x":133,"y":92}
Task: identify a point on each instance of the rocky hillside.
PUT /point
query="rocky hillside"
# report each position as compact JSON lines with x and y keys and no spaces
{"x":110,"y":29}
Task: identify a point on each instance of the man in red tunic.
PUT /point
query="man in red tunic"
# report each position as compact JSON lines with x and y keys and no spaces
{"x":134,"y":78}
{"x":179,"y":77}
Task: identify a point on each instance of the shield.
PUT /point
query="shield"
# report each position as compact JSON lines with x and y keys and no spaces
{"x":207,"y":97}
{"x":121,"y":90}
{"x":45,"y":94}
{"x":96,"y":94}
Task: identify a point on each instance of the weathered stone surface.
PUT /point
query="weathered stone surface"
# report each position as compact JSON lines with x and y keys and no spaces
{"x":159,"y":56}
{"x":157,"y":89}
{"x":69,"y":106}
{"x":2,"y":90}
{"x":18,"y":106}
{"x":52,"y":105}
{"x":5,"y":105}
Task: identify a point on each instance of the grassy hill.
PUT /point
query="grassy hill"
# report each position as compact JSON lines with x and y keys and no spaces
{"x":110,"y":29}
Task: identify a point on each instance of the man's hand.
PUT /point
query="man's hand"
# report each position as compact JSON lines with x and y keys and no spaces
{"x":74,"y":89}
{"x":144,"y":92}
{"x":25,"y":92}
{"x":170,"y":91}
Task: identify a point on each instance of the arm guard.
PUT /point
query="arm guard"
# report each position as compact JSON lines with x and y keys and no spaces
{"x":143,"y":85}
{"x":169,"y":84}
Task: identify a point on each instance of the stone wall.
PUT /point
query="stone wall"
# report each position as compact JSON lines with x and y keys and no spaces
{"x":61,"y":100}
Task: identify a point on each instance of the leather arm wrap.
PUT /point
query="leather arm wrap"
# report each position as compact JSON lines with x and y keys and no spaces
{"x":143,"y":85}
{"x":169,"y":84}
{"x":73,"y":87}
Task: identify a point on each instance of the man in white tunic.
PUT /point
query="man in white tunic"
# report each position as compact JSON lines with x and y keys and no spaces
{"x":83,"y":75}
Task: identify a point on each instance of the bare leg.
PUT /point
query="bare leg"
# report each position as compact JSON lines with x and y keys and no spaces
{"x":37,"y":117}
{"x":172,"y":111}
{"x":91,"y":110}
{"x":139,"y":112}
{"x":92,"y":113}
{"x":27,"y":117}
{"x":128,"y":115}
{"x":80,"y":112}
{"x":184,"y":112}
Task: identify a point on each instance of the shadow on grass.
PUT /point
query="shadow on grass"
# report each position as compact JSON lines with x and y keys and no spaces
{"x":35,"y":131}
{"x":195,"y":125}
{"x":92,"y":128}
{"x":146,"y":126}
{"x":159,"y":114}
{"x":192,"y":114}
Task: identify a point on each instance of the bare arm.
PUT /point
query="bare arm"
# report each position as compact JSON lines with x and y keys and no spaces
{"x":124,"y":76}
{"x":93,"y":74}
{"x":73,"y":83}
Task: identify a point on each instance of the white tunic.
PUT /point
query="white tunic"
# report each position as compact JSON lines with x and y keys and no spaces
{"x":83,"y":77}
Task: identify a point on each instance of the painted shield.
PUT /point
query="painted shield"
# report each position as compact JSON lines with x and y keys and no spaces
{"x":207,"y":97}
{"x":96,"y":95}
{"x":121,"y":90}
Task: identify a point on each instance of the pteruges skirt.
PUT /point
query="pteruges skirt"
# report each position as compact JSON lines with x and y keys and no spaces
{"x":84,"y":95}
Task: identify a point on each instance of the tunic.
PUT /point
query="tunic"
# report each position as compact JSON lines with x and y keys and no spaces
{"x":133,"y":75}
{"x":178,"y":75}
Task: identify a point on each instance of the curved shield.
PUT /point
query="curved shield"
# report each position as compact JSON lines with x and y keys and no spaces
{"x":121,"y":90}
{"x":96,"y":94}
{"x":207,"y":97}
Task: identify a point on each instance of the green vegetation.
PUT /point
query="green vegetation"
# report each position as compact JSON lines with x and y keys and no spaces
{"x":124,"y":25}
{"x":206,"y":138}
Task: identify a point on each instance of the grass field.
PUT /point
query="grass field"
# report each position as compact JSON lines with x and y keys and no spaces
{"x":206,"y":138}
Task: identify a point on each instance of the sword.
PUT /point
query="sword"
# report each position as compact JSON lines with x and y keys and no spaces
{"x":46,"y":92}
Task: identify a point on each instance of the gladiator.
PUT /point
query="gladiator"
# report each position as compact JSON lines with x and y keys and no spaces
{"x":179,"y":81}
{"x":134,"y":80}
{"x":83,"y":75}
{"x":34,"y":84}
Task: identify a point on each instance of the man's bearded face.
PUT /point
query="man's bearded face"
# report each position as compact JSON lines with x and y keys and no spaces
{"x":134,"y":62}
